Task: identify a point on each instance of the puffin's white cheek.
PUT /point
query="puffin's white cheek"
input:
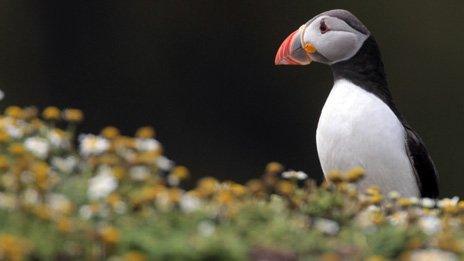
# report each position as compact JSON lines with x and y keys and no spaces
{"x":338,"y":46}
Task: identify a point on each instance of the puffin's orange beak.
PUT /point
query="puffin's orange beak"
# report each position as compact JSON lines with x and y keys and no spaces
{"x":293,"y":51}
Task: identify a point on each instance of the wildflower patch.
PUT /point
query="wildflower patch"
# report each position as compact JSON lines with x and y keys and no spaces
{"x":110,"y":196}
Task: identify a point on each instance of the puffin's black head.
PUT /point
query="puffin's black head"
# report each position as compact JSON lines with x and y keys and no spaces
{"x":329,"y":38}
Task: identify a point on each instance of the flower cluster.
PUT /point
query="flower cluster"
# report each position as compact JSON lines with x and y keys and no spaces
{"x":111,"y":196}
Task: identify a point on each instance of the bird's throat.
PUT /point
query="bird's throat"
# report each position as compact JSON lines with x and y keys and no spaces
{"x":366,"y":70}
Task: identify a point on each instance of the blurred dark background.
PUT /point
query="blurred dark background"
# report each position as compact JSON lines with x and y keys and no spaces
{"x":202,"y":73}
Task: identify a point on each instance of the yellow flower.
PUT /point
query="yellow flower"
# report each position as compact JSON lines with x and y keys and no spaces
{"x":124,"y":142}
{"x":372,"y":190}
{"x":354,"y":174}
{"x":67,"y":208}
{"x":108,"y":159}
{"x":42,"y":211}
{"x":224,"y":197}
{"x":14,"y":111}
{"x":64,"y":225}
{"x":110,"y":132}
{"x":180,"y":172}
{"x":375,"y":198}
{"x":146,"y":158}
{"x":145,"y":132}
{"x":73,"y":115}
{"x":36,"y":124}
{"x":51,"y":113}
{"x":274,"y":167}
{"x":377,"y":217}
{"x":175,"y":195}
{"x":113,"y":199}
{"x":449,"y":206}
{"x":255,"y":186}
{"x":134,"y":256}
{"x":335,"y":176}
{"x":16,"y":149}
{"x":348,"y":188}
{"x":4,"y":137}
{"x":4,"y":163}
{"x":119,"y":172}
{"x":109,"y":235}
{"x":207,"y":186}
{"x":148,"y":194}
{"x":460,"y":204}
{"x":13,"y":247}
{"x":237,"y":189}
{"x":404,"y":202}
{"x":285,"y":187}
{"x":41,"y":170}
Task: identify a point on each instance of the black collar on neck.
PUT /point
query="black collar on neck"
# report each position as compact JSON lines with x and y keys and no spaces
{"x":366,"y":70}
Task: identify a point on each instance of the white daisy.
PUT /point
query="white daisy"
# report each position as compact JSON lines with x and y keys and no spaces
{"x":394,"y":194}
{"x":58,"y":202}
{"x":428,"y":203}
{"x":139,"y":173}
{"x":164,"y":163}
{"x":57,"y":140}
{"x":173,"y":180}
{"x":37,"y":146}
{"x":65,"y":165}
{"x":430,"y":224}
{"x":206,"y":228}
{"x":414,"y":200}
{"x":102,"y":184}
{"x":31,"y":196}
{"x":7,"y":201}
{"x":93,"y":145}
{"x":14,"y":131}
{"x":326,"y":226}
{"x":291,"y":174}
{"x":86,"y":212}
{"x":147,"y":144}
{"x":189,"y":203}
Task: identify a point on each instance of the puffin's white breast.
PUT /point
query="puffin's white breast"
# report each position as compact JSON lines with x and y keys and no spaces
{"x":356,"y":128}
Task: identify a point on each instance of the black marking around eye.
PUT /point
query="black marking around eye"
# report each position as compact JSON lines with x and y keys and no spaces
{"x":323,"y":27}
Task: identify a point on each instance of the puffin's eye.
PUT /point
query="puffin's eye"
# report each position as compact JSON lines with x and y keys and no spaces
{"x":323,"y":27}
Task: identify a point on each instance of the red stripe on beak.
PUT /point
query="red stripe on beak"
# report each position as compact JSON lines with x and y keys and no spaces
{"x":283,"y":56}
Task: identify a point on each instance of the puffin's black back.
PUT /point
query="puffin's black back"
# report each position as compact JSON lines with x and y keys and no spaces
{"x":426,"y":173}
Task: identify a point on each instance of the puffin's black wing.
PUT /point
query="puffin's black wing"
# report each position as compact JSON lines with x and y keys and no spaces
{"x":424,"y":169}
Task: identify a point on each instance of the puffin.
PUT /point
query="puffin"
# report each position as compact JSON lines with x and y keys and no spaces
{"x":359,"y":125}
